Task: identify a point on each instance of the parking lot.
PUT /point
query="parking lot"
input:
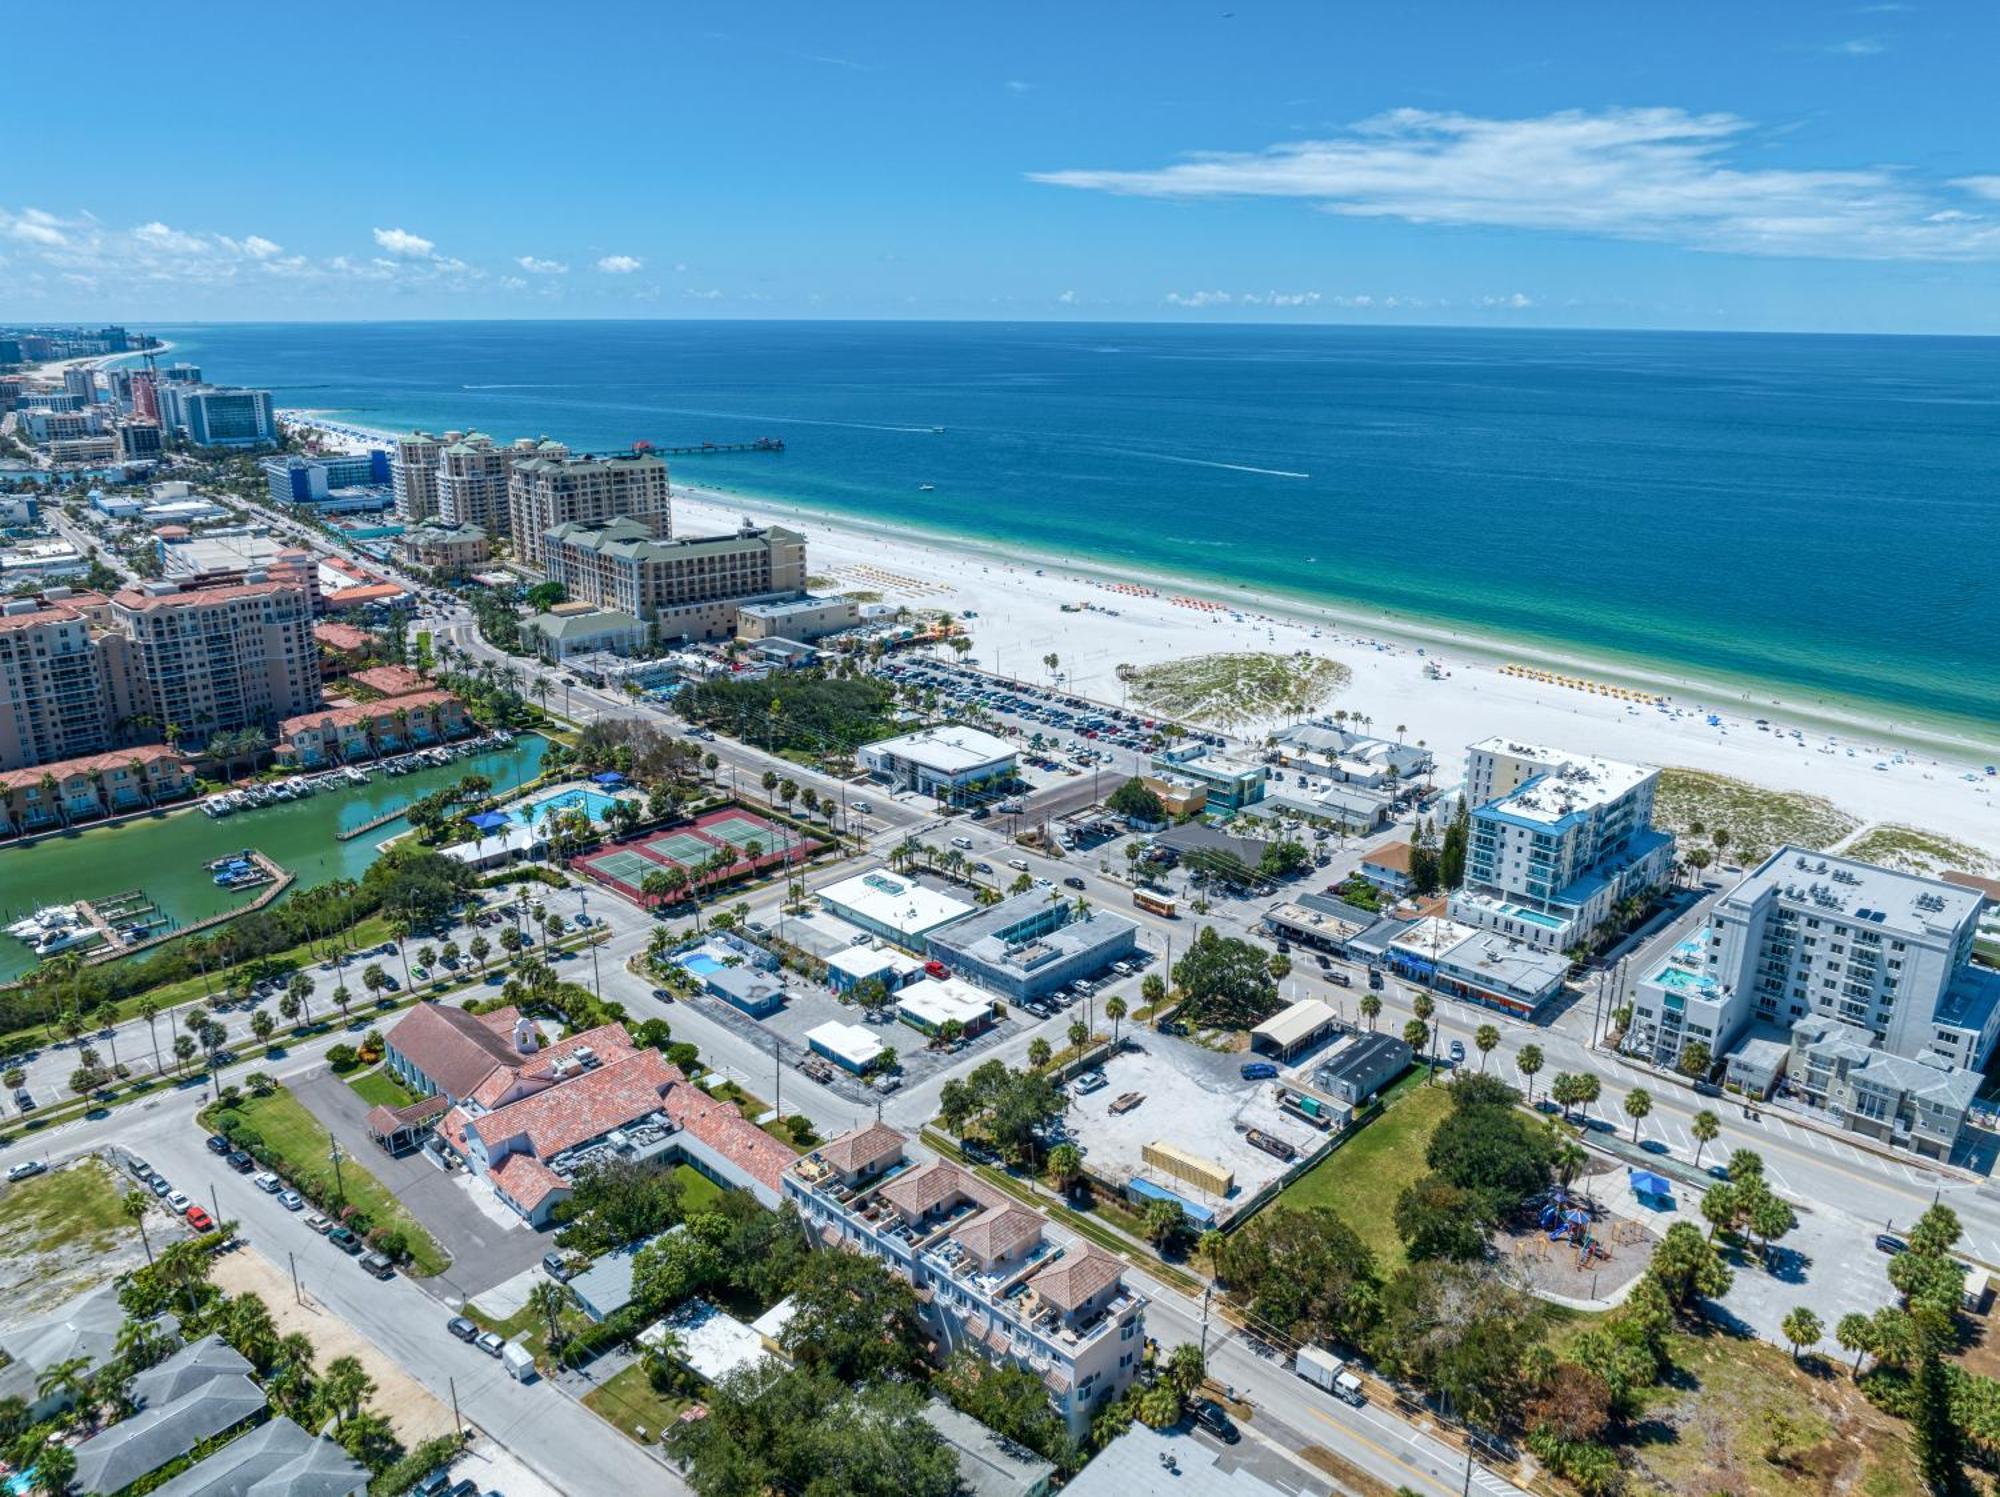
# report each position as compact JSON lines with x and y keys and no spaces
{"x":1194,"y":1099}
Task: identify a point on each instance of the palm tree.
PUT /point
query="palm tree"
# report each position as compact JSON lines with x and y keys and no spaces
{"x":1638,"y":1102}
{"x":132,"y":1206}
{"x":549,"y":1299}
{"x":55,"y":1470}
{"x":1040,"y":1052}
{"x":1114,"y":1010}
{"x":1485,"y":1039}
{"x":68,"y":1380}
{"x":344,"y":1388}
{"x":1371,"y":1009}
{"x":1078,"y":1032}
{"x":1705,"y":1126}
{"x":1423,"y":1007}
{"x":1528,"y":1060}
{"x":149,"y":1010}
{"x":1856,"y":1333}
{"x":1802,"y":1328}
{"x":1417,"y":1034}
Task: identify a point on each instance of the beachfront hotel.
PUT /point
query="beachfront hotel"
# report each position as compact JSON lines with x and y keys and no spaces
{"x":555,"y":487}
{"x":1809,"y":940}
{"x":690,"y":588}
{"x":1558,"y":841}
{"x":448,"y":550}
{"x":987,"y":1278}
{"x":471,"y":481}
{"x":413,"y":474}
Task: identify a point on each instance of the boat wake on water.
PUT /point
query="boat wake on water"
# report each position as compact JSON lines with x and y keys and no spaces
{"x":1202,"y":462}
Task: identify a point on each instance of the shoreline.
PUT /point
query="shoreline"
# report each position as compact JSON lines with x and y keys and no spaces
{"x":1017,"y":593}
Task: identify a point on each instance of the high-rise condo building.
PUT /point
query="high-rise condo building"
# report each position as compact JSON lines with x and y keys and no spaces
{"x":556,"y":487}
{"x":215,"y":659}
{"x":1558,"y":841}
{"x":82,"y":383}
{"x":52,"y":695}
{"x":413,"y":475}
{"x":217,"y":416}
{"x":472,"y":482}
{"x":145,"y":397}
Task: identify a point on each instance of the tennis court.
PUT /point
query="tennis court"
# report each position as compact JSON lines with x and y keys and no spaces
{"x":740,"y":831}
{"x":683,"y":848}
{"x":622,"y":866}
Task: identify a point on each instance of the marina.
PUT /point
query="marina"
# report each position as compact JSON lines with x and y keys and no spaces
{"x":172,"y":850}
{"x":350,"y":776}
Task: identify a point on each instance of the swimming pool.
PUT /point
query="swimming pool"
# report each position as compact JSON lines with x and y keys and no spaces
{"x":590,"y":802}
{"x":1533,"y":917}
{"x":700,"y":963}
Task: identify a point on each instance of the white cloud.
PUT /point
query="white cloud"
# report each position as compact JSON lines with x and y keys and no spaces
{"x":1858,"y":46}
{"x":1515,"y":302}
{"x":512,"y":283}
{"x":1067,"y":299}
{"x":542,"y":267}
{"x":1018,"y":86}
{"x":711,"y":294}
{"x":33,"y":226}
{"x":402,"y":242}
{"x":620,"y":264}
{"x":1647,"y":174}
{"x":1199,"y":299}
{"x":1985,"y":187}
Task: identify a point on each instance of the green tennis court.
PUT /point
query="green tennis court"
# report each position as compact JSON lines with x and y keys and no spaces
{"x":741,"y":831}
{"x":626,"y":867}
{"x":678,"y":847}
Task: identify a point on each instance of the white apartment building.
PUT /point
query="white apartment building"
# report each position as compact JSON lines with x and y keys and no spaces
{"x":1558,"y":841}
{"x":989,"y":1280}
{"x":555,"y":487}
{"x":472,"y":481}
{"x":413,"y":474}
{"x":1809,"y":935}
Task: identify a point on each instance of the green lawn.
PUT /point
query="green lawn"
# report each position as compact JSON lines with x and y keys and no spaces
{"x":628,"y":1401}
{"x":380,"y":1089}
{"x":697,"y":1190}
{"x":1362,"y":1178}
{"x":75,"y":1208}
{"x":298,"y":1146}
{"x":529,"y":1327}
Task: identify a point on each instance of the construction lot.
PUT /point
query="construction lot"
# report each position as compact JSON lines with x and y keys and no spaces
{"x":1196,"y":1100}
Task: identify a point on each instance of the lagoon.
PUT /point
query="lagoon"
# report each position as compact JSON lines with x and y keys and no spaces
{"x":167,"y":854}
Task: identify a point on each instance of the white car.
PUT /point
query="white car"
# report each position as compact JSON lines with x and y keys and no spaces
{"x":269,"y":1183}
{"x":178,"y":1203}
{"x":291,"y":1200}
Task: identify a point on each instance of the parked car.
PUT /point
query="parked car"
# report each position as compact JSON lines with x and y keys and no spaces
{"x":317,"y":1223}
{"x":218,"y":1144}
{"x":1892,"y":1245}
{"x":344,"y":1239}
{"x":1457,"y":1052}
{"x":378,"y":1265}
{"x":462,"y":1328}
{"x":200,"y":1220}
{"x":137,"y":1167}
{"x":178,"y":1203}
{"x":24,"y":1100}
{"x":158,"y":1185}
{"x":1208,"y":1414}
{"x":241,"y":1162}
{"x":1073,"y":882}
{"x":269,"y":1183}
{"x":1259,"y":1070}
{"x":1091,"y":1081}
{"x":557,"y":1267}
{"x":490,"y":1342}
{"x":1374,"y":979}
{"x":291,"y":1200}
{"x":27,"y":1169}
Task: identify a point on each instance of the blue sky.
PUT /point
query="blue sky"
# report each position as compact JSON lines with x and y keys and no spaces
{"x":1778,"y":165}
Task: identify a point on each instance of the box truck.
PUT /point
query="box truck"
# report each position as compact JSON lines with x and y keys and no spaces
{"x":1326,"y":1371}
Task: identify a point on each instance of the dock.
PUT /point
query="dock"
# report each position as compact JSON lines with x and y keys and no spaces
{"x":114,"y":946}
{"x":704,"y":449}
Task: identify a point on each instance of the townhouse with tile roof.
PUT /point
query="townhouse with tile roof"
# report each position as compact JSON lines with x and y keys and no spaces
{"x":988,"y":1279}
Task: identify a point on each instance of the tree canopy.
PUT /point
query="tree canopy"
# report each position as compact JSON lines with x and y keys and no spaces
{"x":1227,"y":981}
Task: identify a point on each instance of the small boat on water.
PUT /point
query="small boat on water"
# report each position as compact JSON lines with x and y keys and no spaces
{"x":926,"y":488}
{"x":63,"y":938}
{"x":47,"y":918}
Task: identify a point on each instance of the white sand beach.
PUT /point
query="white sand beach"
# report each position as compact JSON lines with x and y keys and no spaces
{"x":1019,"y":606}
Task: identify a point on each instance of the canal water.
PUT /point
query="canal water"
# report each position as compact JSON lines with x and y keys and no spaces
{"x":167,"y":855}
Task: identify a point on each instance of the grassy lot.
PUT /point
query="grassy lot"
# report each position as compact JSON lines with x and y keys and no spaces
{"x":74,"y":1209}
{"x":1739,"y":1416}
{"x":380,"y":1089}
{"x":697,"y":1191}
{"x":1756,"y":819}
{"x":628,"y":1401}
{"x":1918,"y":851}
{"x":298,"y":1146}
{"x":529,"y":1328}
{"x":1362,"y":1178}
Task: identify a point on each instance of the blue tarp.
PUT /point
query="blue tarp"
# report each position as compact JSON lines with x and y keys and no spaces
{"x":609,"y":777}
{"x":488,"y":821}
{"x":1646,"y":1183}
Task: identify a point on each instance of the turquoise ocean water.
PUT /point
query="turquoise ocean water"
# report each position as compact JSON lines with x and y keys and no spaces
{"x":1813,"y":516}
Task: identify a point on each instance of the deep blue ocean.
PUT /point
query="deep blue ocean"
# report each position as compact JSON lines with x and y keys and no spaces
{"x":1818,"y":516}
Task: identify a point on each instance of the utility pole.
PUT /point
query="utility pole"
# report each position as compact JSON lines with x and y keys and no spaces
{"x":1206,"y":1290}
{"x":457,"y":1424}
{"x":297,"y":1297}
{"x":339,"y":1183}
{"x":778,"y":1074}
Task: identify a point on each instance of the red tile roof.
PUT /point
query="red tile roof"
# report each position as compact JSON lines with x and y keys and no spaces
{"x":343,"y":637}
{"x":1075,"y":1277}
{"x":527,"y":1180}
{"x":365,"y":712}
{"x":52,"y":613}
{"x":730,"y":1134}
{"x":195,"y":597}
{"x":930,"y":1186}
{"x":457,"y":1050}
{"x":584,"y":1107}
{"x":390,"y":680}
{"x":149,"y":754}
{"x":851,"y":1151}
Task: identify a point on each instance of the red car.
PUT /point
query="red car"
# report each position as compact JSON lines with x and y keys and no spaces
{"x":200,"y":1220}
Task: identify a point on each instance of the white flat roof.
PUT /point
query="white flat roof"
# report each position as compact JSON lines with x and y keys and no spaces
{"x":1568,"y":782}
{"x":1433,"y":937}
{"x":935,"y":999}
{"x":860,"y":962}
{"x":893,"y":901}
{"x":856,"y":1044}
{"x":951,"y":749}
{"x":712,"y":1343}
